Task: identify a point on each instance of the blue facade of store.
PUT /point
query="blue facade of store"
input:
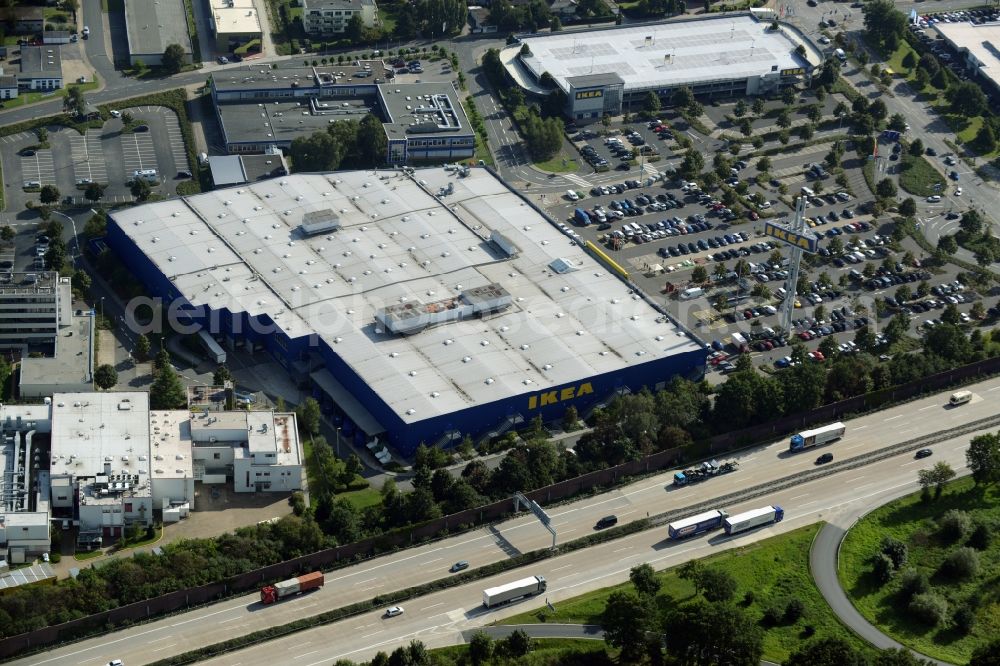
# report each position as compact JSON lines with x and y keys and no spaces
{"x":475,"y":421}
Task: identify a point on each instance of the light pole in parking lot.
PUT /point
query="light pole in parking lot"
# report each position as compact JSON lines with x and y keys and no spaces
{"x":76,"y":242}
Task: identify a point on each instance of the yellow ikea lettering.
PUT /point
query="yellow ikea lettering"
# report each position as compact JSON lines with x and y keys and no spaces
{"x":553,"y":397}
{"x":587,"y":94}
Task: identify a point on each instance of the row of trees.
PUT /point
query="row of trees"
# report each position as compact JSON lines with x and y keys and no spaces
{"x":346,"y":144}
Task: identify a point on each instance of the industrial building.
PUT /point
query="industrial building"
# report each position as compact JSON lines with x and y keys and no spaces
{"x":978,"y":45}
{"x":239,"y":169}
{"x":234,"y":24}
{"x":423,"y":305}
{"x":114,"y":463}
{"x":613,"y":70}
{"x":325,"y":18}
{"x":258,"y":107}
{"x":41,"y":68}
{"x":153,"y":25}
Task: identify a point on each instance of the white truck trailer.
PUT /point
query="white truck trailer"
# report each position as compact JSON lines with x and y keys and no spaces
{"x":526,"y":587}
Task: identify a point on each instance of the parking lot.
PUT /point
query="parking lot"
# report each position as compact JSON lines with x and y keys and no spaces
{"x":661,"y":230}
{"x":109,"y":156}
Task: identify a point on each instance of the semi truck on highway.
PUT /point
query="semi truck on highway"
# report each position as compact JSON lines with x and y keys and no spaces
{"x":289,"y":588}
{"x":703,"y":522}
{"x":705,"y":471}
{"x":751,"y":519}
{"x":504,"y":594}
{"x":810,"y":438}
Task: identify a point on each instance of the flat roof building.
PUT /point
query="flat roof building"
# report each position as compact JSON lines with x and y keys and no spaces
{"x":41,"y":67}
{"x":32,"y":305}
{"x":151,"y":26}
{"x":259,"y":107}
{"x":323,"y":18}
{"x":605,"y":71}
{"x":438,"y":301}
{"x":979,"y":46}
{"x":234,"y":23}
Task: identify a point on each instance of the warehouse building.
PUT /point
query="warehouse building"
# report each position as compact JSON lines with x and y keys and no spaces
{"x":423,"y":305}
{"x":153,"y":25}
{"x":614,"y":70}
{"x":41,"y":68}
{"x":260,"y":107}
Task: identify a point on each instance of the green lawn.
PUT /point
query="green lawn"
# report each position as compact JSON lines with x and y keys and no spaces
{"x":89,"y":555}
{"x":917,"y":176}
{"x":775,"y":569}
{"x":362,"y":498}
{"x":911,"y":521}
{"x":559,"y":164}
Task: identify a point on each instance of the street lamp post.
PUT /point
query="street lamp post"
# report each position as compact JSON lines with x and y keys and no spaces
{"x":102,"y":307}
{"x":76,"y":242}
{"x":338,"y":441}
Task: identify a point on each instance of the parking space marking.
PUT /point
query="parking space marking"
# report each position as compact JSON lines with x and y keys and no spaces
{"x":39,"y":167}
{"x":15,"y":138}
{"x":88,"y":158}
{"x":138,"y":152}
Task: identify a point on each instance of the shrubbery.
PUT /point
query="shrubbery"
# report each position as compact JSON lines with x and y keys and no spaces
{"x":961,"y":564}
{"x":929,"y":608}
{"x":954,"y":525}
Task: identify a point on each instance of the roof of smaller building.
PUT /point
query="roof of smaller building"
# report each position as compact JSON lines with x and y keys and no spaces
{"x":152,"y":25}
{"x":170,"y":444}
{"x":423,"y":108}
{"x":41,"y":61}
{"x":257,"y":167}
{"x":226,"y":170}
{"x":982,"y":41}
{"x":8,"y":81}
{"x":90,"y":430}
{"x":281,"y":122}
{"x":235,"y":16}
{"x":72,"y":362}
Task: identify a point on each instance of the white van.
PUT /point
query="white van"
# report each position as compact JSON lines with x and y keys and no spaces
{"x":960,"y":398}
{"x":693,"y":292}
{"x":148,"y":175}
{"x":808,"y":192}
{"x":841,"y":56}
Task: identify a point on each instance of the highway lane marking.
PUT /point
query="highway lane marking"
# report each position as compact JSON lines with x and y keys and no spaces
{"x":797,"y":497}
{"x":305,"y":655}
{"x":561,"y":568}
{"x":435,"y":560}
{"x":924,"y":409}
{"x":156,"y":640}
{"x":198,"y":619}
{"x":915,"y":462}
{"x":995,"y":388}
{"x":893,"y":418}
{"x":372,"y":634}
{"x":366,"y":580}
{"x":622,"y":549}
{"x":223,"y":622}
{"x":861,"y":427}
{"x":373,"y":587}
{"x":853,"y":480}
{"x":165,"y":647}
{"x":432,"y":606}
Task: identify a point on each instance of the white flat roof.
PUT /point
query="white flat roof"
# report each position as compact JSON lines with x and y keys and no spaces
{"x":665,"y":55}
{"x":170,"y":437}
{"x":235,"y":16}
{"x":982,"y":41}
{"x":90,"y":430}
{"x":239,"y":248}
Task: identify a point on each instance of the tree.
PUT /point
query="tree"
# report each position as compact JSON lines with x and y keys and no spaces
{"x":937,"y":476}
{"x":983,"y":458}
{"x":929,"y":608}
{"x":947,"y":244}
{"x":141,"y":347}
{"x":173,"y":58}
{"x":884,"y":24}
{"x":908,"y":207}
{"x":909,"y":60}
{"x":49,"y":194}
{"x":571,"y":419}
{"x":7,"y":233}
{"x":971,"y":223}
{"x":105,"y":376}
{"x":877,"y":110}
{"x":683,"y":97}
{"x":517,"y":644}
{"x":167,"y":392}
{"x":75,"y":102}
{"x":966,"y":99}
{"x":140,"y":189}
{"x":221,"y":376}
{"x":827,"y":652}
{"x":740,"y":109}
{"x":897,"y":122}
{"x":954,"y":525}
{"x":716,"y":584}
{"x":692,"y":164}
{"x":746,"y":128}
{"x":372,"y":142}
{"x":699,"y":274}
{"x":644,"y":580}
{"x":784,"y":119}
{"x":895,"y":550}
{"x":788,"y":95}
{"x":986,"y":139}
{"x":94,"y":191}
{"x":886,"y":188}
{"x":703,"y":633}
{"x":480,"y":648}
{"x":652,"y":103}
{"x":986,"y":655}
{"x":309,"y":416}
{"x":354,"y":31}
{"x":625,"y":620}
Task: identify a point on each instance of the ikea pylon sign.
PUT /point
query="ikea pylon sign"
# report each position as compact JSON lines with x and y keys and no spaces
{"x":805,"y":240}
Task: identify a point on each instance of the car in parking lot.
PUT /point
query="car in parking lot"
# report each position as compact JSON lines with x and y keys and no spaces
{"x":934,"y":198}
{"x":141,"y":128}
{"x":27,"y":152}
{"x":223,"y":60}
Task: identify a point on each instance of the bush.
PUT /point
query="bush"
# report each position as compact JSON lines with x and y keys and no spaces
{"x":895,"y":550}
{"x":772,"y":615}
{"x":929,"y":608}
{"x":794,"y":610}
{"x":982,"y":535}
{"x":912,"y":583}
{"x":882,"y":568}
{"x":954,"y":525}
{"x":748,"y":598}
{"x":964,"y":618}
{"x":961,"y":564}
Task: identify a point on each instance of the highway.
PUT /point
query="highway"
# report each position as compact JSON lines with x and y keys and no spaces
{"x":439,"y":618}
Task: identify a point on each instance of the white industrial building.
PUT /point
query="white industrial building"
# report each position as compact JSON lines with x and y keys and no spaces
{"x":116,"y":463}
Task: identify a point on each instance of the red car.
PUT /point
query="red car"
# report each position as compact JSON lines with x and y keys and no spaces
{"x":754,"y":215}
{"x":804,"y":335}
{"x":817,"y":356}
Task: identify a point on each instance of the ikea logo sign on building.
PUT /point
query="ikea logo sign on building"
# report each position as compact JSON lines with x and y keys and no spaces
{"x":559,"y":395}
{"x":588,"y":94}
{"x":807,"y":241}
